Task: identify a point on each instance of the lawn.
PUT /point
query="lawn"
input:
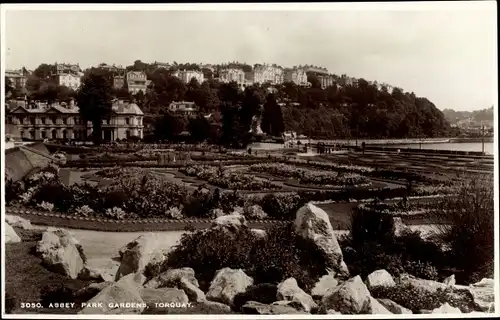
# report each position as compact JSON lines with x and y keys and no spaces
{"x":24,"y":270}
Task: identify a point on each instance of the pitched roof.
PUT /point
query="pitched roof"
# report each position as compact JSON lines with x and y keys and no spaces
{"x":127,"y":108}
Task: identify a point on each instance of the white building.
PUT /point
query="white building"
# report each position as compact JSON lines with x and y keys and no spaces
{"x":187,"y":75}
{"x":70,"y":80}
{"x":268,"y":74}
{"x":136,"y":81}
{"x":297,"y":76}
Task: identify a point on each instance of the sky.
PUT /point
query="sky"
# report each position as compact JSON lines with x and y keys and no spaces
{"x":447,"y":53}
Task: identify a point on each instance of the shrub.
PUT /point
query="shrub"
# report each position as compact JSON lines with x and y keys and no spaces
{"x":84,"y":211}
{"x":281,"y":255}
{"x":47,"y":206}
{"x":282,"y":206}
{"x":55,"y":193}
{"x":255,"y":212}
{"x":208,"y":251}
{"x":116,"y":213}
{"x":470,"y":233}
{"x":174,"y":213}
{"x":417,"y":299}
{"x":371,"y":225}
{"x":424,"y":270}
{"x":263,"y":293}
{"x":13,"y":190}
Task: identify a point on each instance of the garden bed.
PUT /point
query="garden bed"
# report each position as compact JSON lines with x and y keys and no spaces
{"x":312,"y":178}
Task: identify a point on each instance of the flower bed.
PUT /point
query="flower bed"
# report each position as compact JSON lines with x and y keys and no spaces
{"x":311,"y":177}
{"x":401,"y":209}
{"x":228,"y":179}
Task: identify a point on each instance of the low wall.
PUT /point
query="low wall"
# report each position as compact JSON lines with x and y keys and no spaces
{"x":426,"y":151}
{"x":18,"y":161}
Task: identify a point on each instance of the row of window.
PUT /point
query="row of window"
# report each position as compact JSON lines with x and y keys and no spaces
{"x":56,"y":121}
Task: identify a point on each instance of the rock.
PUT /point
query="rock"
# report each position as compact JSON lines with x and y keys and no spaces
{"x":126,"y":291}
{"x":231,"y":221}
{"x":219,"y":307}
{"x":399,"y":227}
{"x":172,"y":277}
{"x":394,"y":307}
{"x":325,"y":283}
{"x":227,"y":283}
{"x":254,"y":307}
{"x":375,"y":307}
{"x":193,"y":292}
{"x":289,"y":290}
{"x":18,"y":222}
{"x":139,"y":253}
{"x":11,"y":235}
{"x":351,"y":297}
{"x":259,"y":233}
{"x":450,"y":281}
{"x":331,"y":311}
{"x":483,"y":293}
{"x":166,"y":295}
{"x":59,"y":252}
{"x":428,"y":285}
{"x":100,"y":270}
{"x":91,"y":290}
{"x":380,"y":278}
{"x":313,"y":223}
{"x":446,"y":308}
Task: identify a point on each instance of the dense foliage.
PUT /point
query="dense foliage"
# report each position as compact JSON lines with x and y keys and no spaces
{"x":282,"y":254}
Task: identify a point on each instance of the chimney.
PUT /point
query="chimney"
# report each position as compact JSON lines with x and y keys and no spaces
{"x":72,"y":103}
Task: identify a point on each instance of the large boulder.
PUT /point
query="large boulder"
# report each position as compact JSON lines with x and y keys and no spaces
{"x":375,"y":307}
{"x":139,"y":253}
{"x":393,"y":307}
{"x":18,"y":222}
{"x":121,"y":297}
{"x":254,"y":307}
{"x":379,"y":278}
{"x":192,"y":291}
{"x":351,"y":297}
{"x":446,"y":308}
{"x":450,"y":281}
{"x":164,"y":295}
{"x":11,"y":235}
{"x":172,"y":278}
{"x":289,"y":290}
{"x":232,"y":221}
{"x":313,"y":223}
{"x":226,"y":284}
{"x":100,"y":270}
{"x":483,"y":293}
{"x":60,"y":252}
{"x":325,"y":283}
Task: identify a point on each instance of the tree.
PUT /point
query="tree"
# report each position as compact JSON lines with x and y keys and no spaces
{"x":95,"y":101}
{"x":199,"y":128}
{"x":272,"y":118}
{"x":8,"y":86}
{"x":168,"y":127}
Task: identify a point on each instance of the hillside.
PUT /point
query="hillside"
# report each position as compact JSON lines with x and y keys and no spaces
{"x":453,"y":116}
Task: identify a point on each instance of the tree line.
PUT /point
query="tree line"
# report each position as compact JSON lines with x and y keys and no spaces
{"x":359,"y":109}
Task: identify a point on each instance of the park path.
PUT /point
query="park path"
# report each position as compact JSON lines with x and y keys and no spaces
{"x":105,"y":245}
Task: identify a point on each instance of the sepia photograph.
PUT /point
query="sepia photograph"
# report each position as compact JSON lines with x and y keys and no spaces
{"x":300,"y":160}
